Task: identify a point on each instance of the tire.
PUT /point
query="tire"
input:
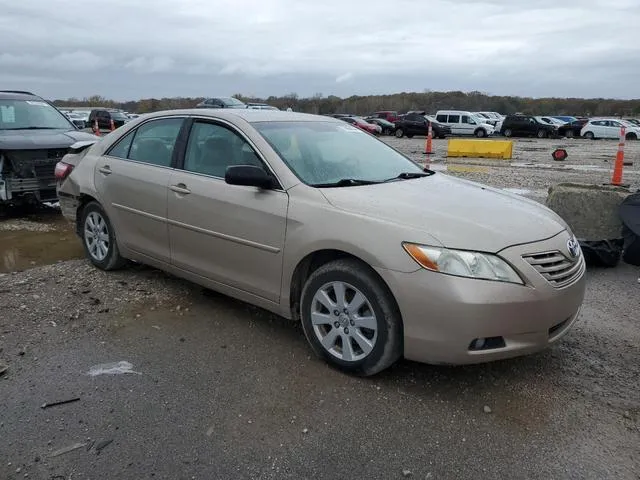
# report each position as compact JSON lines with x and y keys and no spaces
{"x":102,"y":252}
{"x":409,"y":135}
{"x":569,"y":134}
{"x":399,"y":133}
{"x":631,"y":136}
{"x":541,"y":134}
{"x":371,"y":349}
{"x":386,"y":131}
{"x":508,"y":132}
{"x":441,"y":136}
{"x":589,"y":136}
{"x":480,"y":133}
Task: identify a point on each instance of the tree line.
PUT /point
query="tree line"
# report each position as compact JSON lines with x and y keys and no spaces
{"x":401,"y":102}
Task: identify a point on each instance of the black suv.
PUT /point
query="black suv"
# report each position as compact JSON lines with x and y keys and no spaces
{"x":34,"y":136}
{"x":104,"y":117}
{"x":416,"y":123}
{"x":527,"y":126}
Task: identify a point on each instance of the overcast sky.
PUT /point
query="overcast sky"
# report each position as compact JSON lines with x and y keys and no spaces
{"x":128,"y":49}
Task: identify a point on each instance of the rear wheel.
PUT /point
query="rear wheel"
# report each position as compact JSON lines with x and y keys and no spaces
{"x":541,"y":134}
{"x":589,"y":136}
{"x":99,"y":239}
{"x":409,"y":135}
{"x":569,"y":134}
{"x":399,"y":133}
{"x":481,"y":133}
{"x":508,"y":132}
{"x":350,"y":318}
{"x":631,"y":136}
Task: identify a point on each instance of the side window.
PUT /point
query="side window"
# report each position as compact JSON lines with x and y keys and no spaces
{"x":465,"y":119}
{"x":615,"y":124}
{"x":212,"y":148}
{"x":454,"y":119}
{"x":442,"y":118}
{"x":121,"y":149}
{"x":412,"y":117}
{"x":154,"y":141}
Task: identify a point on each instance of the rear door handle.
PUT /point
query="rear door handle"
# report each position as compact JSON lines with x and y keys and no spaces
{"x":180,"y":188}
{"x":106,"y":170}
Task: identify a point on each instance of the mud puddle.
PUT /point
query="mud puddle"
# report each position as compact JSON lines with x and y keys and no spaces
{"x":34,"y":240}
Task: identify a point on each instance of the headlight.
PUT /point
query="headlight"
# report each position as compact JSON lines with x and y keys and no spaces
{"x":463,"y":263}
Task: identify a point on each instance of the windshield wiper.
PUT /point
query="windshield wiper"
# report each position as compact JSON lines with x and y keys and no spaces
{"x":408,"y":176}
{"x":345,"y":182}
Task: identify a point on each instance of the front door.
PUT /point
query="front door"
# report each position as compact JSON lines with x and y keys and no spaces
{"x":132,"y":180}
{"x":231,"y":234}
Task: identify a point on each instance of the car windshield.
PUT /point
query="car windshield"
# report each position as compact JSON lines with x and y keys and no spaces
{"x":31,"y":114}
{"x":321,"y":153}
{"x":233,"y":102}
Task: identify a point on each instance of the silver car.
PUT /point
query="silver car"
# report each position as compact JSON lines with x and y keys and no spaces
{"x":320,"y":222}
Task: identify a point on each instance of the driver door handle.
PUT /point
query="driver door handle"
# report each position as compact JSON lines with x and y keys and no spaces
{"x":180,"y":188}
{"x":106,"y":170}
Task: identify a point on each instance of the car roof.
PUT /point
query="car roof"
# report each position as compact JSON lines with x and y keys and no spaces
{"x":249,"y":115}
{"x":17,"y":95}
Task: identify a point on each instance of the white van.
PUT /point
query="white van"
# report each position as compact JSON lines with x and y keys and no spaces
{"x":464,"y":123}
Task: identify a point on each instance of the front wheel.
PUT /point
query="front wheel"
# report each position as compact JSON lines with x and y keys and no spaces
{"x":399,"y":133}
{"x":541,"y":134}
{"x":569,"y":134}
{"x":350,"y":318}
{"x":508,"y":132}
{"x":589,"y":136}
{"x":481,"y":133}
{"x":99,"y":239}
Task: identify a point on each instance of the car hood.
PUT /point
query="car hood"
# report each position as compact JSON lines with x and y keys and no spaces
{"x":38,"y":139}
{"x":458,"y":213}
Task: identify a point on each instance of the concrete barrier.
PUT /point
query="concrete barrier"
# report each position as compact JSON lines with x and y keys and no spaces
{"x":590,"y":210}
{"x":502,"y":149}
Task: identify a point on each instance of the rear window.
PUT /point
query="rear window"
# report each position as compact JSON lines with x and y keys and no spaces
{"x":454,"y":119}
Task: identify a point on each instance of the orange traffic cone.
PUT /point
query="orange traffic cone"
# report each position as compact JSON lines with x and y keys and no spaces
{"x":112,"y":125}
{"x":619,"y":165}
{"x":96,"y":128}
{"x":428,"y":150}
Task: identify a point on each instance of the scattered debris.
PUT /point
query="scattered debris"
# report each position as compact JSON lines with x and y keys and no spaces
{"x":101,"y":445}
{"x":68,"y":449}
{"x":115,"y":368}
{"x":487,"y":409}
{"x":90,"y":445}
{"x":305,"y":430}
{"x":210,"y":430}
{"x":406,"y":473}
{"x":3,"y":368}
{"x":626,"y":414}
{"x":156,"y":327}
{"x":61,"y":402}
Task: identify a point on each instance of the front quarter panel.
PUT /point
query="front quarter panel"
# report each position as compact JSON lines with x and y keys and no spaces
{"x":313,"y":224}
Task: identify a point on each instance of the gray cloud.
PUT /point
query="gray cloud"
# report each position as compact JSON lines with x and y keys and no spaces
{"x":128,"y":50}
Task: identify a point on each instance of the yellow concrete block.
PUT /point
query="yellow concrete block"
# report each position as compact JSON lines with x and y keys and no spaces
{"x":458,"y":147}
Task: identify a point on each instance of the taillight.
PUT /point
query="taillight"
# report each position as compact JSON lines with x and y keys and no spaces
{"x":63,"y":170}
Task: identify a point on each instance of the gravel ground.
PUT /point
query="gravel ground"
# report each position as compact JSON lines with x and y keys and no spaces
{"x":226,"y":390}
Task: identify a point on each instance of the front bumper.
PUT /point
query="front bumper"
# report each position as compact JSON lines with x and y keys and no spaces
{"x":444,"y":315}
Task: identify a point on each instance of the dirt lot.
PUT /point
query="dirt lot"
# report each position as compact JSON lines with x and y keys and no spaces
{"x":224,"y":390}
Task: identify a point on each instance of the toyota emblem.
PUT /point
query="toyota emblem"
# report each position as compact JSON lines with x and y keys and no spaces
{"x":574,"y":247}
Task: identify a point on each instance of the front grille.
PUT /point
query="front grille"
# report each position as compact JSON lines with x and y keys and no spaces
{"x":555,"y":267}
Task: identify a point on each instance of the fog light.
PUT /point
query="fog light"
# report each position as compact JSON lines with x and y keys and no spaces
{"x":489,"y":343}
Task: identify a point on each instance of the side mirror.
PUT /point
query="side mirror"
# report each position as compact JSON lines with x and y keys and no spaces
{"x":249,"y":176}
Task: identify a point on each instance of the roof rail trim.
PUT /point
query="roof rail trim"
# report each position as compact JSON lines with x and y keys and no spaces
{"x":17,"y":91}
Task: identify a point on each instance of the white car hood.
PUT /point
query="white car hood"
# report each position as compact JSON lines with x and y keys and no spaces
{"x":458,"y":213}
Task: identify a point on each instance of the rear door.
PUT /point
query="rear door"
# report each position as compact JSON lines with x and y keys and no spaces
{"x":415,"y":124}
{"x":613,"y":129}
{"x":231,"y":234}
{"x":454,"y":122}
{"x":132,"y":180}
{"x":467,"y":124}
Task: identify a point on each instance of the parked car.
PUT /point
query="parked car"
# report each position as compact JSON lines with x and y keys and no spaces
{"x":104,"y":116}
{"x":565,"y":118}
{"x":327,"y":226}
{"x":571,"y":129}
{"x":609,"y":128}
{"x":221,"y":102}
{"x":76,"y":119}
{"x":551,"y":121}
{"x":362,"y":124}
{"x":34,"y":136}
{"x":485,"y":118}
{"x":635,"y":121}
{"x":493,"y":115}
{"x":527,"y":126}
{"x":388,"y":115}
{"x":418,"y":124}
{"x":464,"y":123}
{"x":387,"y":127}
{"x":261,"y":106}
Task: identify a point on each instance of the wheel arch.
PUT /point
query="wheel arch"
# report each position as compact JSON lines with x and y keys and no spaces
{"x":314,"y":260}
{"x":83,"y":200}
